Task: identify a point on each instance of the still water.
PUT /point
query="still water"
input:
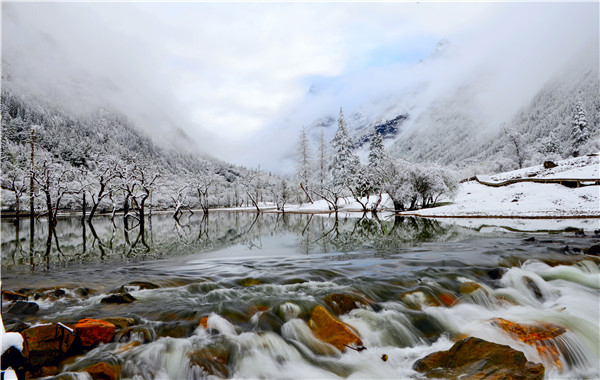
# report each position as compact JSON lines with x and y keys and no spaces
{"x":258,"y":278}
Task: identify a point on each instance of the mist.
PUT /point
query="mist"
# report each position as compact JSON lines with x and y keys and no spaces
{"x":242,"y":79}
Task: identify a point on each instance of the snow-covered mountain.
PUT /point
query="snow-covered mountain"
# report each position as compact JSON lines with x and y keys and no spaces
{"x":459,"y":116}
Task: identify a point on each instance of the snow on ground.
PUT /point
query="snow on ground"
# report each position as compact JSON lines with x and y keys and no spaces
{"x":529,"y":199}
{"x":579,"y":167}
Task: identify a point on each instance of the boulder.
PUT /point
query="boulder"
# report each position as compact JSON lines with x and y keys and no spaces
{"x":118,"y":298}
{"x":103,"y":371}
{"x":331,"y":330}
{"x":549,"y":165}
{"x":593,"y":250}
{"x":474,"y":358}
{"x":213,"y":361}
{"x":91,"y":332}
{"x":246,"y":282}
{"x":24,"y":307}
{"x":342,"y":303}
{"x":46,"y":344}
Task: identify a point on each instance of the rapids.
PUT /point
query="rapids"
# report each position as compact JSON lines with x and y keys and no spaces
{"x":423,"y":284}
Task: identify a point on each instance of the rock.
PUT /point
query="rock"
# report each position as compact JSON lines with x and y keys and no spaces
{"x":496,"y":273}
{"x":13,"y":296}
{"x":83,"y":292}
{"x":45,"y":371}
{"x":342,"y":303}
{"x":593,"y":250}
{"x":91,"y":332}
{"x":470,"y":287}
{"x":176,"y":329}
{"x":549,"y":165}
{"x":249,"y":282}
{"x":135,"y":333}
{"x":534,"y":288}
{"x":447,"y":299}
{"x":46,"y":344}
{"x":24,"y":307}
{"x":535,"y":334}
{"x":417,"y":299}
{"x":56,"y":294}
{"x":120,"y":322}
{"x":143,"y":285}
{"x":13,"y":358}
{"x":103,"y":371}
{"x":204,"y":322}
{"x":474,"y":358}
{"x":118,"y":298}
{"x":129,"y":346}
{"x":331,"y":330}
{"x":213,"y":361}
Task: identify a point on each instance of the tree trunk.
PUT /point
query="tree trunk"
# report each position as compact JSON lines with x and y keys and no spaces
{"x":83,"y":206}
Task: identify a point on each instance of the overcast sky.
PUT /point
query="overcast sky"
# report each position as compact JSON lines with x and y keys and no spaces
{"x":231,"y":74}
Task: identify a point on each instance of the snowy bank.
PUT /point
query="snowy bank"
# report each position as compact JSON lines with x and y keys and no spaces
{"x":526,"y":199}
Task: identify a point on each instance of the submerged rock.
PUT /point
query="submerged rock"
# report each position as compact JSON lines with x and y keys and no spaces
{"x":331,"y":330}
{"x":342,"y":303}
{"x":120,"y":322}
{"x":213,"y":361}
{"x":593,"y":250}
{"x":118,"y":298}
{"x":24,"y":307}
{"x":46,"y":344}
{"x":474,"y":358}
{"x":91,"y":332}
{"x":103,"y":371}
{"x":539,"y":335}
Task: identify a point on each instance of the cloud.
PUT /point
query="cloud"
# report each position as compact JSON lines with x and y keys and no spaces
{"x":236,"y":76}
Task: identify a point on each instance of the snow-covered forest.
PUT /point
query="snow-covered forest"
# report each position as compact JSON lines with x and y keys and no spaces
{"x":102,"y":162}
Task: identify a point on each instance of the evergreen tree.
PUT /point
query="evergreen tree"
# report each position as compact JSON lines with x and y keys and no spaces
{"x":344,"y":163}
{"x":579,"y":132}
{"x":304,"y":169}
{"x":322,"y":164}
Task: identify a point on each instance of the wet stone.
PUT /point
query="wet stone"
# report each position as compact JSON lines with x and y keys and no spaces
{"x":46,"y":344}
{"x":593,"y":250}
{"x":103,"y":371}
{"x":178,"y":329}
{"x":213,"y":361}
{"x":13,"y":296}
{"x":24,"y":307}
{"x":331,"y":330}
{"x":120,"y":322}
{"x":474,"y":358}
{"x":91,"y":332}
{"x":118,"y":298}
{"x":342,"y":303}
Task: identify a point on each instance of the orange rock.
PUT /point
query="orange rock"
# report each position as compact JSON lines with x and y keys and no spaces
{"x":470,"y":287}
{"x":103,"y":371}
{"x":331,"y":330}
{"x":447,"y":299}
{"x":342,"y":303}
{"x":92,"y":332}
{"x":204,"y":322}
{"x":256,"y":309}
{"x":540,"y":335}
{"x":46,"y":344}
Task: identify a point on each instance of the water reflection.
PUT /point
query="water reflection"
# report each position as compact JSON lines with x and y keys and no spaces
{"x":105,"y":238}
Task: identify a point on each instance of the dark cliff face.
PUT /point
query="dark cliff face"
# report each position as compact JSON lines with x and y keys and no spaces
{"x":387,"y":129}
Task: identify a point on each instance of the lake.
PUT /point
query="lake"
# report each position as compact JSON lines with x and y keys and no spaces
{"x":417,"y":286}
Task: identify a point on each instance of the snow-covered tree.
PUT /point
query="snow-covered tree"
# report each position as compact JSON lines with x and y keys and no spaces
{"x":579,"y":132}
{"x":304,"y":173}
{"x":516,"y":145}
{"x":322,"y":164}
{"x":377,"y":158}
{"x":397,"y":182}
{"x":344,"y":163}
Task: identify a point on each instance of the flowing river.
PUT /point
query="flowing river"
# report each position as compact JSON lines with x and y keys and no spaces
{"x":419,"y":285}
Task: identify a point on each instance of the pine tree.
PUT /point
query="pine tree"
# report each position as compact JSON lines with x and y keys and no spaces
{"x":344,"y":162}
{"x":322,"y":165}
{"x":579,"y":132}
{"x":303,"y":171}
